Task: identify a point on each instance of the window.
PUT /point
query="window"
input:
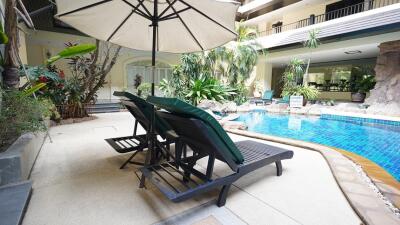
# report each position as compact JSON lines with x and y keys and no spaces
{"x":163,"y":71}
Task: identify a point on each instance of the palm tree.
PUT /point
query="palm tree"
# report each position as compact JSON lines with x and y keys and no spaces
{"x":245,"y":33}
{"x":10,"y":64}
{"x":311,"y":43}
{"x":11,"y":60}
{"x":294,"y":72}
{"x":236,"y":60}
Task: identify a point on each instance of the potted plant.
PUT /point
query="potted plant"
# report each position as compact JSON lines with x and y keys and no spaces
{"x":144,"y":90}
{"x":308,"y":93}
{"x":361,"y":87}
{"x":361,"y":81}
{"x":137,"y":82}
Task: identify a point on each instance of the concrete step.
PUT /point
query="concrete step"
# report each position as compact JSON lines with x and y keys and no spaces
{"x":104,"y":107}
{"x":103,"y":110}
{"x":14,"y":199}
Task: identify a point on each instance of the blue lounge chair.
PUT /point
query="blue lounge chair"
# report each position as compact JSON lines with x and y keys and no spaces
{"x":266,"y":97}
{"x":284,"y":100}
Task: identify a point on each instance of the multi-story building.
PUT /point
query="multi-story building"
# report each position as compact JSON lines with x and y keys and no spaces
{"x":349,"y":30}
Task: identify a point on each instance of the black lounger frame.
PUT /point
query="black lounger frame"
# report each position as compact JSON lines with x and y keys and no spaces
{"x":193,"y":133}
{"x":135,"y":143}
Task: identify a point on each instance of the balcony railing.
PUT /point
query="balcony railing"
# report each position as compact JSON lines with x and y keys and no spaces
{"x":350,"y":10}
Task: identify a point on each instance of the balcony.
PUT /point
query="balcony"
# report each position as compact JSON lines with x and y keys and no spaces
{"x":343,"y":12}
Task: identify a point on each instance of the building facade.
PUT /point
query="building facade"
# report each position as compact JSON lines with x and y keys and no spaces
{"x":349,"y":30}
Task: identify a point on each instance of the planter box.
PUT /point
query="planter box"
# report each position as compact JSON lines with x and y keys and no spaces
{"x":17,"y":161}
{"x":15,"y":167}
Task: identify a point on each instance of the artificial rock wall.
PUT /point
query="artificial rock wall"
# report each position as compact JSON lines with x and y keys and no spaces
{"x":385,"y":97}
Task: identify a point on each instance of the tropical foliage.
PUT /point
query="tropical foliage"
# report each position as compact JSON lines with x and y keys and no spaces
{"x":203,"y":88}
{"x":19,"y":113}
{"x":232,"y":64}
{"x":311,"y":43}
{"x":71,"y":51}
{"x":362,"y":79}
{"x":89,"y":65}
{"x":177,"y":85}
{"x":293,"y":74}
{"x":365,"y":84}
{"x":292,"y":81}
{"x":309,"y":93}
{"x":144,"y":90}
{"x":91,"y":69}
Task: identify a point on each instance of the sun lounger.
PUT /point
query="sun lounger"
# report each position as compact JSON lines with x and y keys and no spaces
{"x":284,"y":100}
{"x":266,"y":97}
{"x":178,"y":180}
{"x":140,"y":109}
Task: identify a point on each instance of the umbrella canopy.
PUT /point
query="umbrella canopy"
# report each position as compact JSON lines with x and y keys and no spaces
{"x":176,"y":26}
{"x":182,"y":25}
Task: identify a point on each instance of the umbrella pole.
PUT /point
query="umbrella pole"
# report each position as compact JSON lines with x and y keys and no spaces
{"x":151,"y":154}
{"x":154,"y":45}
{"x":153,"y":67}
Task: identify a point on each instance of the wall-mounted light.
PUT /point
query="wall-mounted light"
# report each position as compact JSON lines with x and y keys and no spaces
{"x":353,"y":52}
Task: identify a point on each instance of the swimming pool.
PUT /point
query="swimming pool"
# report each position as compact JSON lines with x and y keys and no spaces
{"x":378,"y":142}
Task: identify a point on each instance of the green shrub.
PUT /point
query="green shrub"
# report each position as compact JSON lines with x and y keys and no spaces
{"x":309,"y":93}
{"x":19,"y":114}
{"x":50,"y":110}
{"x":365,"y":84}
{"x":203,"y":88}
{"x":144,"y":90}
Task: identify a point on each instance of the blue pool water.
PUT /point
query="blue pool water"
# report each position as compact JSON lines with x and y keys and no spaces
{"x":378,"y":143}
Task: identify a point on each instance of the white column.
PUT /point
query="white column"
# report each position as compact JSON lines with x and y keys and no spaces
{"x":267,"y":76}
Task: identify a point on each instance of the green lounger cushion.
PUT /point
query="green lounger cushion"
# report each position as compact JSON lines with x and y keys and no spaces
{"x":161,"y":126}
{"x":222,"y":139}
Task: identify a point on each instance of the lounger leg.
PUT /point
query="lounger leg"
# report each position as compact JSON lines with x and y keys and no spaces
{"x":222,"y":195}
{"x":135,"y":129}
{"x":278,"y":168}
{"x":146,"y":163}
{"x":129,"y":160}
{"x":184,"y":151}
{"x":178,"y":153}
{"x":187,"y":173}
{"x":168,"y":146}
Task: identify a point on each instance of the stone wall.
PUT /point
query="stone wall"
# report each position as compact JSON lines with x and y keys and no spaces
{"x":385,"y":97}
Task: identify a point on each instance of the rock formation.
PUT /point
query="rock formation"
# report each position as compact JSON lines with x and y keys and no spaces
{"x":385,"y":97}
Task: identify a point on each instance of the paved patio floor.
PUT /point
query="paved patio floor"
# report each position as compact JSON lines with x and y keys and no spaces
{"x":77,"y":180}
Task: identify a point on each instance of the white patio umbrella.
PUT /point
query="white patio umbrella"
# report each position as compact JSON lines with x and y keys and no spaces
{"x":176,"y":26}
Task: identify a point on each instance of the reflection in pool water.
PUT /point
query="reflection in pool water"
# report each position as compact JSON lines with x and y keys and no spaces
{"x":380,"y":144}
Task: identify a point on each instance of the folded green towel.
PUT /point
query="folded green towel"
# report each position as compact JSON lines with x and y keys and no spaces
{"x":161,"y":126}
{"x":219,"y":135}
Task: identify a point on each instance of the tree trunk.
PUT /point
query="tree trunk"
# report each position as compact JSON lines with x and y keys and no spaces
{"x":305,"y":77}
{"x":105,"y":69}
{"x":10,"y":74}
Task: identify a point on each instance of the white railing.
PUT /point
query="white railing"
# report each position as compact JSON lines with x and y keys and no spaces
{"x":350,"y":10}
